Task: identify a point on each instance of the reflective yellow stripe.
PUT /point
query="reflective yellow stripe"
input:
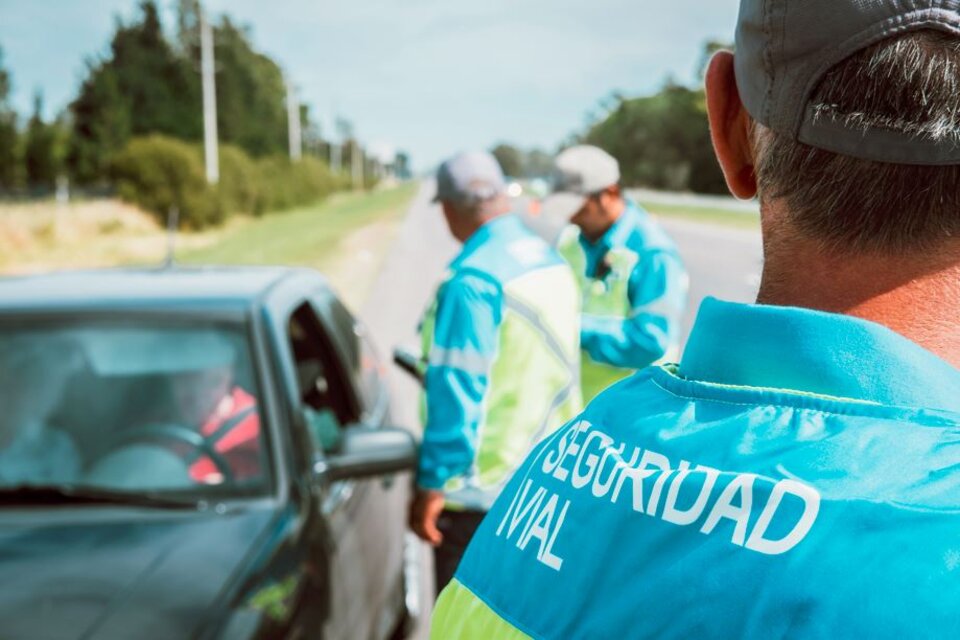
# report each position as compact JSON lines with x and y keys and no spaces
{"x":460,"y":615}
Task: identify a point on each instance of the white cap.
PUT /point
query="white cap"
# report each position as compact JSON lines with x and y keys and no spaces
{"x":578,"y":173}
{"x":470,"y":178}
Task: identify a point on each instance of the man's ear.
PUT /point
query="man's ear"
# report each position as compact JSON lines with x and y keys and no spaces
{"x":730,"y":127}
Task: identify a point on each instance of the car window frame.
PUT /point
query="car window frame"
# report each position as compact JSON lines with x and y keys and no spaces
{"x":232,"y":319}
{"x":326,"y":306}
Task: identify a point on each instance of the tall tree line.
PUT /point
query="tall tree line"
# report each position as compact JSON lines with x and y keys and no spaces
{"x":146,"y":83}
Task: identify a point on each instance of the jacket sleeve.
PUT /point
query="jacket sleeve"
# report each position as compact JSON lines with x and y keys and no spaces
{"x":658,"y":289}
{"x":465,"y":341}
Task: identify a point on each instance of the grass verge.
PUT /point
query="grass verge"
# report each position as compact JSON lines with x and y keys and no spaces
{"x":724,"y":217}
{"x":307,"y":236}
{"x":347,"y":237}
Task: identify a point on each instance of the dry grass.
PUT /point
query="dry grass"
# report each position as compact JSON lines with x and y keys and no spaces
{"x":345,"y":236}
{"x":44,"y":236}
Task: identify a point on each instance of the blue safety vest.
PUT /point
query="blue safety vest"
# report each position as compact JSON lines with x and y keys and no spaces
{"x":798,"y":475}
{"x":500,"y":342}
{"x":634,"y":292}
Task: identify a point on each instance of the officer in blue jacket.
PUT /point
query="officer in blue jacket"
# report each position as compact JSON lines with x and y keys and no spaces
{"x":500,"y":344}
{"x":798,"y":473}
{"x":632,"y":281}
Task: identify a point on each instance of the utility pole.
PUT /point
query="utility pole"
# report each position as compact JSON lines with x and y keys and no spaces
{"x":336,"y":141}
{"x":293,"y":122}
{"x":335,"y":151}
{"x":356,"y":158}
{"x":210,"y":151}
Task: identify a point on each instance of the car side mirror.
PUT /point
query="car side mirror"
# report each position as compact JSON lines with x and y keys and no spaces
{"x":365,"y":452}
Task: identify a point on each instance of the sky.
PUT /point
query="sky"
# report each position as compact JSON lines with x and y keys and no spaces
{"x":431,"y":77}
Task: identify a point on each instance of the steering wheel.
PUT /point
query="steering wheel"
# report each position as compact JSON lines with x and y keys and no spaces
{"x":201,"y":447}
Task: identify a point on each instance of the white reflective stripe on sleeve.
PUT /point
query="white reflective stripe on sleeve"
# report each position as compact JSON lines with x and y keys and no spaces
{"x":659,"y":307}
{"x":469,"y":361}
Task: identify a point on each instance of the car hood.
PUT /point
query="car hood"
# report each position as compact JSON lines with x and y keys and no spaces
{"x":112,"y":573}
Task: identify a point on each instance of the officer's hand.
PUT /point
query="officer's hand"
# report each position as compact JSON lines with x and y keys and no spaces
{"x":424,"y":512}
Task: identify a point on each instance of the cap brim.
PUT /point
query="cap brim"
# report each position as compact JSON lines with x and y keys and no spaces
{"x":562,"y":205}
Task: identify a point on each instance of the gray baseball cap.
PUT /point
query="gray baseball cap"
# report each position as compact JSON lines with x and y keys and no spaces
{"x":578,"y":173}
{"x":470,"y":178}
{"x":785,"y":47}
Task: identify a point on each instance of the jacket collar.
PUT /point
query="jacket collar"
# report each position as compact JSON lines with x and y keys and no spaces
{"x":815,"y":352}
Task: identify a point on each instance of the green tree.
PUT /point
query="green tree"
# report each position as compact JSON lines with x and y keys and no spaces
{"x":9,"y":156}
{"x":44,"y":148}
{"x":144,"y":86}
{"x":251,"y":94}
{"x":188,"y":27}
{"x":511,"y":159}
{"x":101,"y":124}
{"x":162,"y":88}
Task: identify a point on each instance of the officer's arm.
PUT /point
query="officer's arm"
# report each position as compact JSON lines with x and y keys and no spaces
{"x":658,"y":293}
{"x":464,"y":345}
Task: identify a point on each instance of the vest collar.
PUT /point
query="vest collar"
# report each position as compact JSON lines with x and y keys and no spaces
{"x":504,"y":225}
{"x":815,"y":352}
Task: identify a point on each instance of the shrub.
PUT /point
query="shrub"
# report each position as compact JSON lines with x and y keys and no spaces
{"x":286,"y":184}
{"x":240,"y":181}
{"x":158,"y":173}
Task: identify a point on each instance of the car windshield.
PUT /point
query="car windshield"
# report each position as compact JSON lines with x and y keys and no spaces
{"x":134,"y":408}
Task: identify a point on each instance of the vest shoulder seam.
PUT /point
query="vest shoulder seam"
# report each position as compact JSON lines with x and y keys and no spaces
{"x":787,"y":399}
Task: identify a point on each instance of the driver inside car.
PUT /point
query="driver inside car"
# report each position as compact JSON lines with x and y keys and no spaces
{"x":227,"y":418}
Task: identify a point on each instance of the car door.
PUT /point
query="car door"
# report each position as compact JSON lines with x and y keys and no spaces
{"x":384,"y":511}
{"x":328,"y":409}
{"x":382,"y":516}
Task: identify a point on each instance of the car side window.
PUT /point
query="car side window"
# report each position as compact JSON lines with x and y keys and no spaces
{"x":320,"y":380}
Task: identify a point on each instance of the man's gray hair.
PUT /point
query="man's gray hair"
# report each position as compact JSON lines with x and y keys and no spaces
{"x":479,"y":208}
{"x":908,"y":84}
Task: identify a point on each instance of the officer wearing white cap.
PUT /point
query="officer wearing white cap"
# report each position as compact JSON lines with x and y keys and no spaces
{"x":632,"y":280}
{"x":500,"y":345}
{"x":797,"y":475}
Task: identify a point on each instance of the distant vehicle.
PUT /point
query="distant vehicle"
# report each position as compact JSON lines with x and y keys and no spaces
{"x":202,"y":453}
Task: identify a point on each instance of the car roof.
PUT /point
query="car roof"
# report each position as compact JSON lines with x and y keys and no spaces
{"x":175,"y":287}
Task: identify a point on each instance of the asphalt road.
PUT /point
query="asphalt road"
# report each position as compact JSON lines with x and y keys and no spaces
{"x":722,"y":262}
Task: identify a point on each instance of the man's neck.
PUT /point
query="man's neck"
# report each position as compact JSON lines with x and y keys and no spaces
{"x":475,"y":225}
{"x":917,"y":296}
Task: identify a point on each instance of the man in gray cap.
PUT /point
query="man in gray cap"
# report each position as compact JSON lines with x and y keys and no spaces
{"x":632,"y":281}
{"x":798,"y":473}
{"x":500,"y":345}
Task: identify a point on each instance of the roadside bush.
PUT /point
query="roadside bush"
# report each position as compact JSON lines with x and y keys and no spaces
{"x":157,"y":173}
{"x":286,"y":184}
{"x":240,"y":183}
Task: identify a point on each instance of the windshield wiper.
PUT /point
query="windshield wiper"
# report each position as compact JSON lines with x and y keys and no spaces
{"x":40,"y":495}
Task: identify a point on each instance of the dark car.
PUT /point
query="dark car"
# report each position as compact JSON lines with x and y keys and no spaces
{"x":202,"y":453}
